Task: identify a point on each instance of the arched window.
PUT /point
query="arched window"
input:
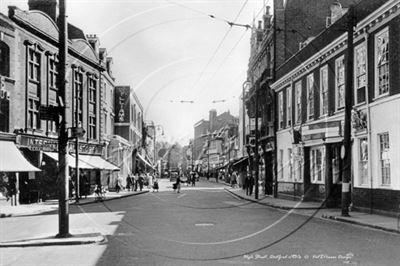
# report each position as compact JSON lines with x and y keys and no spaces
{"x":4,"y":59}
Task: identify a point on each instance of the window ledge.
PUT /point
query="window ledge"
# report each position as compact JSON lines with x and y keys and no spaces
{"x":384,"y":95}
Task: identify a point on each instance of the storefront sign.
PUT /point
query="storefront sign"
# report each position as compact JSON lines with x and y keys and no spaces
{"x":322,"y":130}
{"x":86,"y":148}
{"x":35,"y":143}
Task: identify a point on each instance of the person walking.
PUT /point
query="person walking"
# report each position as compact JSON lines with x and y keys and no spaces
{"x":128,"y":182}
{"x":155,"y":184}
{"x":141,"y":181}
{"x":178,"y":184}
{"x":135,"y":181}
{"x":118,"y":185}
{"x":247,"y":184}
{"x":193,"y":177}
{"x":234,"y":179}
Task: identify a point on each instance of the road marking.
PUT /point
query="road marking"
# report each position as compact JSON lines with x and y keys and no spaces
{"x":181,"y":196}
{"x":204,"y":224}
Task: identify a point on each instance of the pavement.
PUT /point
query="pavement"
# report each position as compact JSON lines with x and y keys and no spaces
{"x":89,"y":235}
{"x":44,"y":236}
{"x":380,"y":222}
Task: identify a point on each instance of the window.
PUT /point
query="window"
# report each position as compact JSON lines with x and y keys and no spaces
{"x":280,"y":172}
{"x":339,"y":82}
{"x":78,"y":98}
{"x":297,"y":88}
{"x":310,"y":96}
{"x":33,"y":113}
{"x":289,"y":106}
{"x":317,"y":165}
{"x":34,"y":65}
{"x":360,"y":55}
{"x":363,"y":161}
{"x":280,"y":104}
{"x":384,"y":158}
{"x":34,"y":92}
{"x":324,"y":91}
{"x":52,"y":89}
{"x":290,"y":165}
{"x":382,"y":62}
{"x":92,"y":107}
{"x":4,"y":59}
{"x":297,"y":156}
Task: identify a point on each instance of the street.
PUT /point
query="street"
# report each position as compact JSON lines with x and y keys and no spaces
{"x":204,"y":225}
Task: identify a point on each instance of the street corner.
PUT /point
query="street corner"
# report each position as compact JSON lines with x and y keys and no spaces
{"x":73,"y":239}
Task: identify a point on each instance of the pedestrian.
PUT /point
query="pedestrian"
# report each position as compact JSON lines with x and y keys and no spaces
{"x":233,"y":179}
{"x":251,"y":185}
{"x":178,"y":184}
{"x":135,"y":181}
{"x":193,"y":179}
{"x":247,"y":184}
{"x":118,"y":185}
{"x":141,"y":181}
{"x":128,"y":182}
{"x":155,"y":185}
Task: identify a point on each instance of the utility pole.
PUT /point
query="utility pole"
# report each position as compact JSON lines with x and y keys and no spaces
{"x":256,"y":159}
{"x":347,"y":118}
{"x":63,"y":213}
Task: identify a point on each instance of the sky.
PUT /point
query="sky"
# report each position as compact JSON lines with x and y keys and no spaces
{"x":179,"y":60}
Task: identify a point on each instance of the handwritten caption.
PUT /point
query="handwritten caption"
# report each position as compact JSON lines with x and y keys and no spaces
{"x":280,"y":257}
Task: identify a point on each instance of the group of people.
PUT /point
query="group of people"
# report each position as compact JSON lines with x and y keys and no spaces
{"x":138,"y":181}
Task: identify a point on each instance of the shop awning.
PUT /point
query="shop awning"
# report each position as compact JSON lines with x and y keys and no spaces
{"x":12,"y":160}
{"x":70,"y":160}
{"x":96,"y":162}
{"x":86,"y":161}
{"x":144,"y":161}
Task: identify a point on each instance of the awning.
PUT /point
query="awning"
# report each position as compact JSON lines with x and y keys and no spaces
{"x":96,"y":162}
{"x":144,"y":161}
{"x":12,"y":160}
{"x":70,"y":160}
{"x":86,"y":161}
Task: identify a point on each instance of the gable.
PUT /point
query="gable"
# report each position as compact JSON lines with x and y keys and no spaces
{"x":83,"y":48}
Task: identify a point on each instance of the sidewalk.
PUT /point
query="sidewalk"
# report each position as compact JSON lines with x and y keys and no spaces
{"x":380,"y":222}
{"x":43,"y":233}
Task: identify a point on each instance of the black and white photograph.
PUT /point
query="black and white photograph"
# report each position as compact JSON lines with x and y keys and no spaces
{"x":199,"y":132}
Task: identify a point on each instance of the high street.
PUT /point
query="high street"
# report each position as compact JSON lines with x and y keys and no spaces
{"x":204,"y":225}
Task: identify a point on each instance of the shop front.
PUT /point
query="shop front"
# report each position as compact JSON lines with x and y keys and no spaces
{"x":322,"y":145}
{"x":13,"y":167}
{"x":43,"y":153}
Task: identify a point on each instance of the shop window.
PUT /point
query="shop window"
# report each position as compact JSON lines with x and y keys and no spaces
{"x":289,"y":106}
{"x":382,"y":62}
{"x":280,"y":171}
{"x":384,"y":155}
{"x":360,"y":69}
{"x":317,"y":156}
{"x":4,"y":59}
{"x":310,"y":96}
{"x":324,"y":91}
{"x":280,"y":104}
{"x":290,"y":165}
{"x":363,"y":161}
{"x":340,"y":82}
{"x":298,"y":102}
{"x":297,"y":156}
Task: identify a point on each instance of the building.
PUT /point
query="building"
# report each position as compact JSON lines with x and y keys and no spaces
{"x":274,"y":40}
{"x":310,"y":135}
{"x":30,"y":41}
{"x":204,"y":132}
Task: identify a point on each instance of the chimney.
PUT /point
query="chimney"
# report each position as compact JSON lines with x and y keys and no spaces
{"x":94,"y":42}
{"x":50,"y":7}
{"x":267,"y":18}
{"x":336,"y":11}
